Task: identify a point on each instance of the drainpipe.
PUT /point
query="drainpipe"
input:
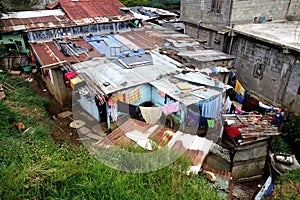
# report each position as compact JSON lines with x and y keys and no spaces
{"x":198,"y":28}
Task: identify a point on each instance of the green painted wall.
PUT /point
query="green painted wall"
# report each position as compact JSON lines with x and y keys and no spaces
{"x":11,"y":39}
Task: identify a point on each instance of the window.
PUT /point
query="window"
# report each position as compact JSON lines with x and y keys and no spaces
{"x":216,"y":6}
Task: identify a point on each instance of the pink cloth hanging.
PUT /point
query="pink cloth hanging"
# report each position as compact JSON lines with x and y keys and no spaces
{"x":171,"y":108}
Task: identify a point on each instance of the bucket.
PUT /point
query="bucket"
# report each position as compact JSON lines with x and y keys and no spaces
{"x":27,"y":68}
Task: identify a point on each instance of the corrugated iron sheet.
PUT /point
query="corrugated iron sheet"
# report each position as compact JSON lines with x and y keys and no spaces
{"x":91,"y":8}
{"x":48,"y":53}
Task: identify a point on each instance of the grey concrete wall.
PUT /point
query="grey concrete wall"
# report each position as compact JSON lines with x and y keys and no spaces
{"x":210,"y":38}
{"x":61,"y":93}
{"x":268,"y":71}
{"x":193,"y":11}
{"x":242,"y":11}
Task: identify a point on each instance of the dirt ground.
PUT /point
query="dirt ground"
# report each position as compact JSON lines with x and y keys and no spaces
{"x":62,"y":130}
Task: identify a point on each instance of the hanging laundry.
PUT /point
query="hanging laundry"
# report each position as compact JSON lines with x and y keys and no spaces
{"x":171,"y":108}
{"x":133,"y":96}
{"x":264,"y":105}
{"x":114,"y":113}
{"x":100,"y":100}
{"x":237,"y":86}
{"x":212,"y":108}
{"x":233,"y":131}
{"x":239,"y":98}
{"x":250,"y":104}
{"x":193,"y":118}
{"x":228,"y":104}
{"x":242,"y":91}
{"x":151,"y":114}
{"x":211,"y":123}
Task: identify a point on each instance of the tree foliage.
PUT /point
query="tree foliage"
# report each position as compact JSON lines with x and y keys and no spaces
{"x":3,"y":8}
{"x":292,"y":135}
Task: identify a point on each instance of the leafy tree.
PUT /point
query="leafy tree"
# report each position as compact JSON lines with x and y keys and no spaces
{"x":19,"y":5}
{"x":3,"y":8}
{"x":292,"y":135}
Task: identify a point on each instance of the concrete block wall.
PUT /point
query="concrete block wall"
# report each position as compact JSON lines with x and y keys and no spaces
{"x":193,"y":11}
{"x":57,"y":87}
{"x":203,"y":34}
{"x":244,"y":11}
{"x":267,"y":71}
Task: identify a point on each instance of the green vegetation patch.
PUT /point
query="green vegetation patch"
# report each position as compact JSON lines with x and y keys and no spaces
{"x":33,"y":166}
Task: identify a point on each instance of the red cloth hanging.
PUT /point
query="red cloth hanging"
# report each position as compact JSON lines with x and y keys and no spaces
{"x":233,"y":131}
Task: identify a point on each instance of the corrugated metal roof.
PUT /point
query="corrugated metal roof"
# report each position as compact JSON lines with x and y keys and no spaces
{"x":48,"y":53}
{"x":91,"y":8}
{"x":196,"y":147}
{"x":32,"y":14}
{"x":118,"y":137}
{"x":191,"y":96}
{"x":197,"y":77}
{"x":34,"y":20}
{"x":110,"y":72}
{"x":206,"y":55}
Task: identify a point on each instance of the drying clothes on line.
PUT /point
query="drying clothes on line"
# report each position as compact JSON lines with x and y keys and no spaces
{"x":250,"y":104}
{"x":213,"y":108}
{"x":242,"y":91}
{"x":193,"y":118}
{"x":100,"y":100}
{"x":203,"y":122}
{"x":110,"y":101}
{"x":171,"y":108}
{"x":133,"y":96}
{"x":228,"y":104}
{"x":211,"y":123}
{"x":151,"y":114}
{"x":70,"y":75}
{"x":264,"y":105}
{"x":140,"y":138}
{"x":233,"y":131}
{"x":239,"y":98}
{"x":127,"y":108}
{"x":237,"y":87}
{"x":114,"y":113}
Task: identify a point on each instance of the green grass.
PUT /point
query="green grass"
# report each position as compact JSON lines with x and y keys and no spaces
{"x":33,"y":166}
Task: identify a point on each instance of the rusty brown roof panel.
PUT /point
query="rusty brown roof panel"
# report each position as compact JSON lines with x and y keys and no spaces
{"x":161,"y":135}
{"x":48,"y":53}
{"x":91,"y":8}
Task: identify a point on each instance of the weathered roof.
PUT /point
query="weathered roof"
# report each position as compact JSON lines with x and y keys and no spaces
{"x":118,"y":137}
{"x":49,"y":54}
{"x":38,"y":19}
{"x":281,"y":33}
{"x":196,"y":147}
{"x":80,"y":9}
{"x":257,"y":127}
{"x":206,"y":55}
{"x":148,"y":13}
{"x":102,"y":70}
{"x":190,"y":96}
